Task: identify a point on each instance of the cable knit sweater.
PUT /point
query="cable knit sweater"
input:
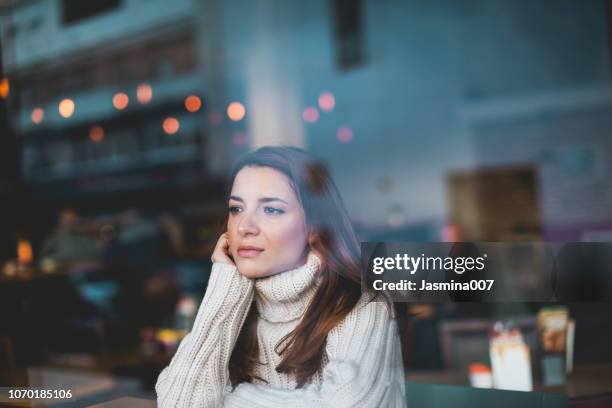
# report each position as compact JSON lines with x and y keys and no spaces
{"x":362,"y":365}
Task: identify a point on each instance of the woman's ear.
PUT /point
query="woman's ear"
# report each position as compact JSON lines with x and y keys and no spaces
{"x":315,"y":244}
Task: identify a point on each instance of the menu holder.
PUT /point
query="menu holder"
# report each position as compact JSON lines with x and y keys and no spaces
{"x":511,"y":363}
{"x":553,"y":329}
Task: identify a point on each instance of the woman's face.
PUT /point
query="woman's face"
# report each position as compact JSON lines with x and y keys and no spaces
{"x":266,"y":226}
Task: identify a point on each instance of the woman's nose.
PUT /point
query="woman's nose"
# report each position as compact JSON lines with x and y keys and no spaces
{"x":248,"y":225}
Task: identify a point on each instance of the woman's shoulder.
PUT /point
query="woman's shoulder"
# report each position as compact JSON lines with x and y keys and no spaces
{"x":371,"y":320}
{"x":377,"y":303}
{"x":371,"y":307}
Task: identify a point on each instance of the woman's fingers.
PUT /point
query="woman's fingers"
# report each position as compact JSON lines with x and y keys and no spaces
{"x":221,"y":251}
{"x":225,"y":242}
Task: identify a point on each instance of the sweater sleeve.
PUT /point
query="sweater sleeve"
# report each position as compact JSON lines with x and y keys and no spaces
{"x":364,"y":369}
{"x":198,"y":375}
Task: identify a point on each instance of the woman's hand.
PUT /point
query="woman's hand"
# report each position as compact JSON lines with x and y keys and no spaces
{"x":221,"y":252}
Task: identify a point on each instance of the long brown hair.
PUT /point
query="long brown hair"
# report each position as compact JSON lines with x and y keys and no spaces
{"x":340,"y":278}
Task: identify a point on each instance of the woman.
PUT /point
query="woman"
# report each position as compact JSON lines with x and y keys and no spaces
{"x":283,"y":321}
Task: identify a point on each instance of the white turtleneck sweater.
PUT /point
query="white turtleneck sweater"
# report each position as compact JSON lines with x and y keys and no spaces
{"x":362,"y":364}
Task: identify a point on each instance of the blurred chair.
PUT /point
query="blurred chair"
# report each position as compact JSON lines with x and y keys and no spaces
{"x":467,"y":341}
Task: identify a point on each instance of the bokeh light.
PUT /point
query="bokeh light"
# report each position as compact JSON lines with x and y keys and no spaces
{"x":96,"y":134}
{"x":144,"y":93}
{"x":239,"y":139}
{"x":327,"y":101}
{"x":193,"y":103}
{"x":24,"y":251}
{"x":310,"y":114}
{"x":120,"y":101}
{"x":450,"y":233}
{"x":66,"y":108}
{"x":215,"y":118}
{"x":5,"y":88}
{"x":344,"y":134}
{"x":171,"y":125}
{"x":396,"y":216}
{"x":236,"y":111}
{"x":37,"y":116}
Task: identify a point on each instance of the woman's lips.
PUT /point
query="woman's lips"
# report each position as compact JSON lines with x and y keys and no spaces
{"x":249,"y":252}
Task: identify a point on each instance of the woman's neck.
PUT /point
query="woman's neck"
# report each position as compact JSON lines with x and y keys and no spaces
{"x":285,"y":296}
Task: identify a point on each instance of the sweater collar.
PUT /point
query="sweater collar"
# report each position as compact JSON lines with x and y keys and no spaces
{"x":284,"y":297}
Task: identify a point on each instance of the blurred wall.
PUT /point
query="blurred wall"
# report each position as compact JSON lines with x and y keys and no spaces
{"x":426,"y":64}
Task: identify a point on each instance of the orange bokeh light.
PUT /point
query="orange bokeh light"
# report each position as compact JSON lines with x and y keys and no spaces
{"x":66,"y":108}
{"x":120,"y":101}
{"x":236,"y":111}
{"x":24,"y":252}
{"x":327,"y":102}
{"x":5,"y":88}
{"x":37,"y":116}
{"x":144,"y":93}
{"x":193,"y":103}
{"x":171,"y":125}
{"x":96,"y":134}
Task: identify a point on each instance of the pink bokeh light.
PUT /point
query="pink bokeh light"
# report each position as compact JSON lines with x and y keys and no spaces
{"x":327,"y":101}
{"x":344,"y":134}
{"x":239,"y":139}
{"x":310,"y":114}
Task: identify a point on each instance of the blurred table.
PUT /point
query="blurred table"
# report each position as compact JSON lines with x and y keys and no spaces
{"x":584,"y":381}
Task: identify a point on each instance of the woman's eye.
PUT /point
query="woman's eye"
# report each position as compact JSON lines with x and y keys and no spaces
{"x":272,"y":210}
{"x":234,"y":209}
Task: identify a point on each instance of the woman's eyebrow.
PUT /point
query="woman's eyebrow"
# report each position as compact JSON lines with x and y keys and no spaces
{"x":268,"y":199}
{"x":261,"y":200}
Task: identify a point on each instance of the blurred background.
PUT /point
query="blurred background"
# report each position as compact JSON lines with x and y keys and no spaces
{"x":439,"y":121}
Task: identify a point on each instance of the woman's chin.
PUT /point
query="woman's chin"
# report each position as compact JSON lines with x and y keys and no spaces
{"x":247,"y":269}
